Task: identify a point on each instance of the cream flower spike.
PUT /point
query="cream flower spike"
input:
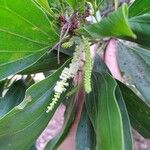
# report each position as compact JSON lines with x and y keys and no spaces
{"x":66,"y":74}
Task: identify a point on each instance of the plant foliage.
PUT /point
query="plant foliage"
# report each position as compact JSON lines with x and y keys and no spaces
{"x":66,"y":41}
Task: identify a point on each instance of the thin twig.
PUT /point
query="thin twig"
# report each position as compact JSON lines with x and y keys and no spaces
{"x":116,"y":3}
{"x":64,"y":31}
{"x":61,"y":38}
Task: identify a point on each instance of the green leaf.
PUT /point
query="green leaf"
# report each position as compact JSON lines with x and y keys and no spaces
{"x":138,"y":110}
{"x":100,"y":67}
{"x":140,"y":26}
{"x":115,"y":25}
{"x":125,"y":119}
{"x":139,"y":7}
{"x":69,"y":118}
{"x":134,"y":62}
{"x":13,"y":97}
{"x":104,"y":113}
{"x":25,"y":32}
{"x":46,"y":63}
{"x":29,"y":117}
{"x":85,"y":136}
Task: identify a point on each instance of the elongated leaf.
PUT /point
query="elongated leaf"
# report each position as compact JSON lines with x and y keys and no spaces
{"x":115,"y":25}
{"x":69,"y":118}
{"x":125,"y":119}
{"x":29,"y":117}
{"x":100,"y":67}
{"x":85,"y":136}
{"x":139,"y":7}
{"x":140,"y":26}
{"x":139,"y":111}
{"x":46,"y":63}
{"x":134,"y":62}
{"x":25,"y":32}
{"x":104,"y":113}
{"x":13,"y":97}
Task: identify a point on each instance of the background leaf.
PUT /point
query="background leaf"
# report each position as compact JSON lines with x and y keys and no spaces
{"x":140,"y":26}
{"x":139,"y":7}
{"x":85,"y":136}
{"x":139,"y":111}
{"x":13,"y":97}
{"x":134,"y":62}
{"x":125,"y":119}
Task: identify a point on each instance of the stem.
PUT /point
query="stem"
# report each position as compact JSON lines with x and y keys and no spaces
{"x":116,"y":2}
{"x":61,"y":38}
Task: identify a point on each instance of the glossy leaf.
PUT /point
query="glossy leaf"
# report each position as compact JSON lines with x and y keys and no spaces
{"x":69,"y":118}
{"x":139,"y":7}
{"x":104,"y":113}
{"x":140,"y":26}
{"x":13,"y":97}
{"x":25,"y":32}
{"x":134,"y":62}
{"x":29,"y":117}
{"x":85,"y":136}
{"x":128,"y":145}
{"x":138,"y":110}
{"x":115,"y":25}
